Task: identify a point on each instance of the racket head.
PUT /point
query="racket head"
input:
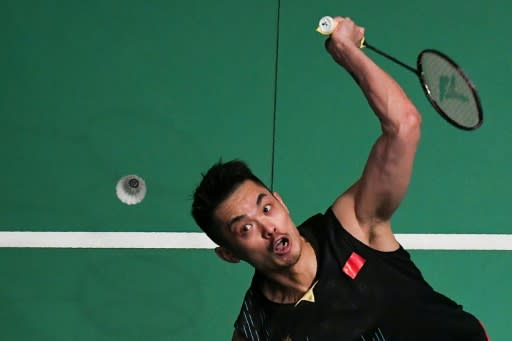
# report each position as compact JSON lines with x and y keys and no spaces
{"x":449,"y":90}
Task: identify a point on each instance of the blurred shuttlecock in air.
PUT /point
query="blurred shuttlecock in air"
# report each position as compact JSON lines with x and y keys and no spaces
{"x":131,"y":189}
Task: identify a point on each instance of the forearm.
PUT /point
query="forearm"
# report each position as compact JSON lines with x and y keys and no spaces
{"x":385,"y":96}
{"x":368,"y":206}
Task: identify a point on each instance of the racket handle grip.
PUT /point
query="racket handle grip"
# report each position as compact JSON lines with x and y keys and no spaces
{"x":326,"y":25}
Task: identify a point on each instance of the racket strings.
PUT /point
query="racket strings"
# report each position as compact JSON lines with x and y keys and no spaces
{"x":450,"y":91}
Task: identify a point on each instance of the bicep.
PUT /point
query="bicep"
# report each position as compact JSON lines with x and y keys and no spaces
{"x":365,"y":209}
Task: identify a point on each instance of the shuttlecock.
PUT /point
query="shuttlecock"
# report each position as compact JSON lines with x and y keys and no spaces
{"x":131,"y":189}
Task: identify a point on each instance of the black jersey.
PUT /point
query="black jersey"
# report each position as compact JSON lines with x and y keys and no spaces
{"x":359,"y":294}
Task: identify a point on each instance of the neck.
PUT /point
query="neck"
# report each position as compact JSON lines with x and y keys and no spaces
{"x":290,"y":285}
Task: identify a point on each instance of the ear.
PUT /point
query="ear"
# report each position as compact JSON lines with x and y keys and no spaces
{"x":278,"y":197}
{"x":226,"y":255}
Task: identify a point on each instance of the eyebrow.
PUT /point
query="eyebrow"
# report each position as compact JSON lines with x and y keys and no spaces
{"x":259,"y":199}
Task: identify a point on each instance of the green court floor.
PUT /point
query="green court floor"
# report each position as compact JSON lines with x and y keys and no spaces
{"x":93,"y":91}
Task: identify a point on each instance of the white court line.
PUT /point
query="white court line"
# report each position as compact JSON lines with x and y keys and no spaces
{"x":135,"y":240}
{"x":193,"y":240}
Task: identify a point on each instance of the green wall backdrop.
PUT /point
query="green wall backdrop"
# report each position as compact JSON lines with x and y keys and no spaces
{"x":92,"y":91}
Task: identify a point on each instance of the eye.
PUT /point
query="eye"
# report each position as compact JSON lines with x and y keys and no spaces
{"x":267,"y":208}
{"x":246,"y":228}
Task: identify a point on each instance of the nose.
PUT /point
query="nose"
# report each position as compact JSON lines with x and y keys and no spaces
{"x":268,"y":230}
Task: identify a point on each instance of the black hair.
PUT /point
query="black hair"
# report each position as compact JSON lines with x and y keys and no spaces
{"x":219,"y":182}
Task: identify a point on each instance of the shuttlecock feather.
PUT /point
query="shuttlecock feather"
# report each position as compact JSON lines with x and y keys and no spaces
{"x":131,"y":189}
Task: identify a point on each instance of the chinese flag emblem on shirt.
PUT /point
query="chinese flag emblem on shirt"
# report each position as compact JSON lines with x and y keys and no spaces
{"x":353,"y":265}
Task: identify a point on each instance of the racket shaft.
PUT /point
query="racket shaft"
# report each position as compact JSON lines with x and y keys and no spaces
{"x":382,"y":53}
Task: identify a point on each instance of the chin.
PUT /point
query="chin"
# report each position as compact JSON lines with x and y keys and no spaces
{"x":290,"y":259}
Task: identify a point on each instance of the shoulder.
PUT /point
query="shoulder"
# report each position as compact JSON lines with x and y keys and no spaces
{"x":327,"y":228}
{"x":323,"y":226}
{"x":375,"y":233}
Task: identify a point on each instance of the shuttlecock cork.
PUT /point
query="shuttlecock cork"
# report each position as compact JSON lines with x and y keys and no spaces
{"x":131,"y":189}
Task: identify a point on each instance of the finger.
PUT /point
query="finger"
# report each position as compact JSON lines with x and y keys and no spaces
{"x":343,"y":19}
{"x":338,"y":21}
{"x":327,"y":44}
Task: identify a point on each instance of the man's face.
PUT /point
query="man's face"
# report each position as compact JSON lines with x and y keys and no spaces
{"x":258,"y":228}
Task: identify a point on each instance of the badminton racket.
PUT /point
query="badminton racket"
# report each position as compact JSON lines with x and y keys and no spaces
{"x":447,"y":87}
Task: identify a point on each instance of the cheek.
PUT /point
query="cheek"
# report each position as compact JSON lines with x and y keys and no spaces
{"x":286,"y":221}
{"x":249,"y":244}
{"x":253,"y":253}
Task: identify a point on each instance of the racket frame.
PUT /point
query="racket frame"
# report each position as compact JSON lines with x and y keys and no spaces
{"x":327,"y":25}
{"x":433,"y":102}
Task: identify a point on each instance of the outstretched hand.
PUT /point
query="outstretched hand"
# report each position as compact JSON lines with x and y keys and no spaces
{"x":346,"y":35}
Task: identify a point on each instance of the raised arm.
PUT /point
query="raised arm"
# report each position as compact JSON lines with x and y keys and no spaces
{"x":366,"y":208}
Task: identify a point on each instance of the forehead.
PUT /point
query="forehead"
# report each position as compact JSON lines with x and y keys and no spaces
{"x":241,"y":201}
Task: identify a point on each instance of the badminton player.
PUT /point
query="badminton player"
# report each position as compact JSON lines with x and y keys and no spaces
{"x":341,"y":274}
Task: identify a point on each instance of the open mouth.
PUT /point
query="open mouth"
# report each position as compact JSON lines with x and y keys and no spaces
{"x":281,"y":245}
